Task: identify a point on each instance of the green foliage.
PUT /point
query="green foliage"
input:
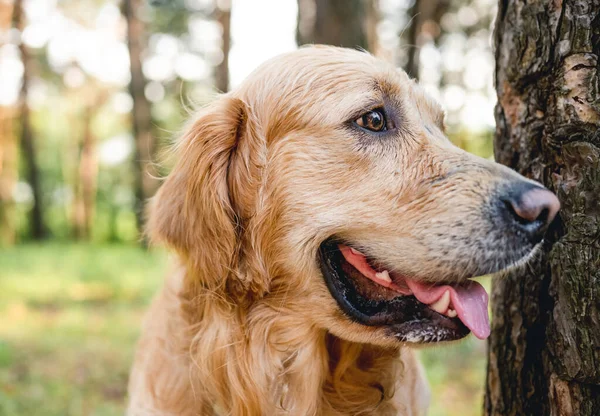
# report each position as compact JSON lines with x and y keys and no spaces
{"x":169,"y":16}
{"x":480,"y":143}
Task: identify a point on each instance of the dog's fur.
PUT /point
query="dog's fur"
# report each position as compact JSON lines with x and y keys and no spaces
{"x":245,"y":324}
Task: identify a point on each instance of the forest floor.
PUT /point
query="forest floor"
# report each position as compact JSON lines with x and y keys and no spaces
{"x":70,"y":315}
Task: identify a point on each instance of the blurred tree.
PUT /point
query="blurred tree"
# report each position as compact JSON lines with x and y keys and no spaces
{"x":336,"y":22}
{"x":425,"y":19}
{"x":223,"y":11}
{"x":544,"y":355}
{"x":8,"y":175}
{"x":372,"y":18}
{"x":8,"y":151}
{"x":85,"y":185}
{"x":84,"y":195}
{"x":28,"y":149}
{"x":145,"y":182}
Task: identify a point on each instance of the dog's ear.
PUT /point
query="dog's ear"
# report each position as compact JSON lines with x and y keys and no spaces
{"x":192,"y":211}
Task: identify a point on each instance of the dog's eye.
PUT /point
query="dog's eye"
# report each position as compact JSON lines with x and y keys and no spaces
{"x":373,"y":120}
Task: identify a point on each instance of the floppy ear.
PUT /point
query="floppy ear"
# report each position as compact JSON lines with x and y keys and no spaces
{"x":192,"y":211}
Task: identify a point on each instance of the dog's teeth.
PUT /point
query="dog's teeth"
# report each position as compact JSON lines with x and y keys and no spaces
{"x":441,"y":305}
{"x":451,"y":313}
{"x":384,"y":275}
{"x":353,"y":251}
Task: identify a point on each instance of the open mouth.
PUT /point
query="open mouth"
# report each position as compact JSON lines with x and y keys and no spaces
{"x":411,"y":310}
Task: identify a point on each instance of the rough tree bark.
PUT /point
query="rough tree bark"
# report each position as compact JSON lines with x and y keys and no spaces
{"x":145,"y":182}
{"x":333,"y":22}
{"x":222,"y":70}
{"x":28,"y":150}
{"x":544,"y":356}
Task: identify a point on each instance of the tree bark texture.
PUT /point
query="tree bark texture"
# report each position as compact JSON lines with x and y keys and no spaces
{"x":145,"y":182}
{"x":28,"y":149}
{"x":222,"y":70}
{"x":333,"y":22}
{"x":544,"y":351}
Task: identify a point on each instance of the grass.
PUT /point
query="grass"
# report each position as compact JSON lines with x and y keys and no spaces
{"x":70,"y":317}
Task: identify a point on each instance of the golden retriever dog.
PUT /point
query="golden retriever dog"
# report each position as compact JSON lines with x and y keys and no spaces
{"x":323,"y":225}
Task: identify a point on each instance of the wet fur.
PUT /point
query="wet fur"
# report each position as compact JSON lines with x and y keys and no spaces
{"x":245,"y":324}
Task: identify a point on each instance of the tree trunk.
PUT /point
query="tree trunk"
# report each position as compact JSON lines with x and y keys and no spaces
{"x":8,"y":176}
{"x":8,"y":153}
{"x":373,"y":15}
{"x":84,"y":203}
{"x":28,"y":150}
{"x":333,"y":22}
{"x":425,"y":19}
{"x":544,"y":355}
{"x":145,"y":182}
{"x":222,"y":70}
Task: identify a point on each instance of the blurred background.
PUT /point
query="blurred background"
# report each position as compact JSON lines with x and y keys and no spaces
{"x":93,"y":91}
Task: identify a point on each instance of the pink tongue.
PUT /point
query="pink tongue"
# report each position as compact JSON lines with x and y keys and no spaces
{"x":470,"y":301}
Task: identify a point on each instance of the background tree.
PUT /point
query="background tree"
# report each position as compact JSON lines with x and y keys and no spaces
{"x":28,"y":146}
{"x":223,"y":16}
{"x":424,"y":23}
{"x":145,"y":146}
{"x":8,"y":152}
{"x":86,"y":175}
{"x":543,"y":355}
{"x":335,"y":22}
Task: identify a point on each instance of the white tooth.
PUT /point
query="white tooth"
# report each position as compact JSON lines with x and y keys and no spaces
{"x":353,"y":251}
{"x":441,"y":305}
{"x":451,"y":313}
{"x":384,"y":275}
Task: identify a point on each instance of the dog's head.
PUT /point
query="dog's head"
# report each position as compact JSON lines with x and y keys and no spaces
{"x":325,"y":186}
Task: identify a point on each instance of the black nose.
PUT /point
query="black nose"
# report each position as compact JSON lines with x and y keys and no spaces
{"x":532,"y":208}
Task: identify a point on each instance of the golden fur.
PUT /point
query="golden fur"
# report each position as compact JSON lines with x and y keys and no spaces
{"x":245,"y":324}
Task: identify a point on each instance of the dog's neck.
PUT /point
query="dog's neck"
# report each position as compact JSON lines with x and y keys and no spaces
{"x":265,"y":361}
